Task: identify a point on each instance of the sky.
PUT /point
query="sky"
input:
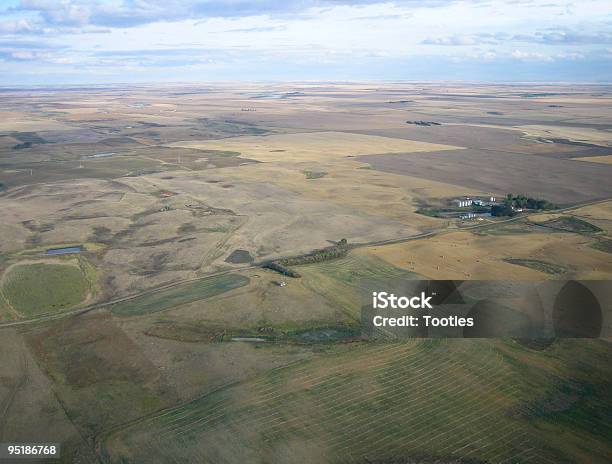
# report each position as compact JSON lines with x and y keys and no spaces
{"x":68,"y":42}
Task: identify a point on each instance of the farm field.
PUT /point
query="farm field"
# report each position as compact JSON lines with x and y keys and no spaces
{"x":324,"y":147}
{"x":607,"y":159}
{"x":501,"y":253}
{"x":596,"y":215}
{"x":515,"y":173}
{"x":218,"y":245}
{"x":44,"y":287}
{"x":179,"y":295}
{"x":466,"y":399}
{"x":348,"y":282}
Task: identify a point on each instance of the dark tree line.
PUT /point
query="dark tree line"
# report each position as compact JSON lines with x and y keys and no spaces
{"x":336,"y":251}
{"x":324,"y":254}
{"x":275,"y":266}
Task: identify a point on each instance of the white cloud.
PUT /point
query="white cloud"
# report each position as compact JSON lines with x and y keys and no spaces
{"x":18,"y":26}
{"x":318,"y":34}
{"x":530,"y":56}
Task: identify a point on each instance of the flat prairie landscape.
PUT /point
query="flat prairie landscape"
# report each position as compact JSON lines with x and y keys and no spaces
{"x":183,"y":270}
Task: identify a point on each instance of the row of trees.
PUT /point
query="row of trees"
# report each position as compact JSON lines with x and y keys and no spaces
{"x":276,"y":266}
{"x":324,"y":254}
{"x":21,"y":146}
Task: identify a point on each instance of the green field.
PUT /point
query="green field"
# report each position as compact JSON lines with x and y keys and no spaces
{"x":512,"y":228}
{"x":542,"y":266}
{"x":103,"y":168}
{"x":219,"y":153}
{"x":345,"y":282}
{"x":179,"y":295}
{"x":228,"y":127}
{"x":202,"y":332}
{"x":572,"y":224}
{"x":438,"y":401}
{"x":103,"y":378}
{"x":34,"y":289}
{"x":603,"y":245}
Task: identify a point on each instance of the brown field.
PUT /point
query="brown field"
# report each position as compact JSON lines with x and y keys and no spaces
{"x":562,"y":181}
{"x":607,"y":159}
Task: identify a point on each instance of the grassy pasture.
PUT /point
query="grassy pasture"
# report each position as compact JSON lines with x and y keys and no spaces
{"x":33,"y":289}
{"x":603,"y":245}
{"x":448,"y":401}
{"x":572,"y":224}
{"x":345,"y":281}
{"x":103,"y":168}
{"x":204,"y":332}
{"x":538,"y":265}
{"x":220,"y":153}
{"x":228,"y":127}
{"x":102,"y":377}
{"x":179,"y":295}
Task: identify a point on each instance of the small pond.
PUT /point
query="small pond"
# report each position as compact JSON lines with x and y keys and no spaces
{"x":64,"y":251}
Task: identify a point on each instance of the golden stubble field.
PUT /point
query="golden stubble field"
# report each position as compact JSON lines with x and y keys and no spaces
{"x":286,"y":159}
{"x":465,"y":255}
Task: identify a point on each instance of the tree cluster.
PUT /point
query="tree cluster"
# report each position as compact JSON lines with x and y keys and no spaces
{"x":512,"y":203}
